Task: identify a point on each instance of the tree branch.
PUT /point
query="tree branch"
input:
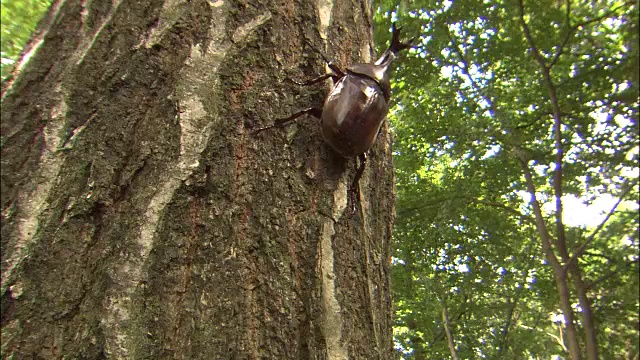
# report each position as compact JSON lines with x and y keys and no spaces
{"x":606,"y":15}
{"x":604,"y":277}
{"x":537,"y":211}
{"x":505,"y":208}
{"x":452,"y":345}
{"x":470,"y":200}
{"x":595,"y":232}
{"x":589,"y":326}
{"x":527,"y":34}
{"x":557,"y":129}
{"x":567,"y":36}
{"x":559,"y":274}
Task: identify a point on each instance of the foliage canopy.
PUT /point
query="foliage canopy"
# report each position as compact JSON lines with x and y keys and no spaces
{"x":18,"y":19}
{"x":474,"y":115}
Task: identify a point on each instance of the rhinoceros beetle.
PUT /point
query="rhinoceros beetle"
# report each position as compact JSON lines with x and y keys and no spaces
{"x":356,"y":106}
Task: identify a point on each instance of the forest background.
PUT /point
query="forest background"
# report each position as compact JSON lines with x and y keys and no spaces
{"x":516,"y":153}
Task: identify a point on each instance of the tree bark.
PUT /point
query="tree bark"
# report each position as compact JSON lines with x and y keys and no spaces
{"x":141,"y":218}
{"x":450,"y":342}
{"x":559,"y":273}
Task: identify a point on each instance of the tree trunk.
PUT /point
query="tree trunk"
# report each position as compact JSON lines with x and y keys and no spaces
{"x":141,"y":218}
{"x":452,"y":344}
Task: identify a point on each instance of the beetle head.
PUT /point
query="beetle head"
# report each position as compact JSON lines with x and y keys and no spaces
{"x":379,"y":71}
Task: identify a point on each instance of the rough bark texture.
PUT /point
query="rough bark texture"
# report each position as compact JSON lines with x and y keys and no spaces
{"x":142,"y":219}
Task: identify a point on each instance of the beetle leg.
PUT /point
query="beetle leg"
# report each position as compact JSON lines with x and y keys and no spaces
{"x":316,"y":112}
{"x":354,"y":191}
{"x":360,"y":169}
{"x":335,"y":76}
{"x":313,"y":81}
{"x":332,"y":65}
{"x":336,"y":69}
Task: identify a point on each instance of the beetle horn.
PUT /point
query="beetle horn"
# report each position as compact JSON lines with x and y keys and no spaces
{"x":396,"y":44}
{"x":394,"y":48}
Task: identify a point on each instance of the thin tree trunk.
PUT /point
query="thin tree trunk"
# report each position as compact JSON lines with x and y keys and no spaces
{"x":141,"y":218}
{"x":452,"y":345}
{"x":545,"y":69}
{"x":558,"y":271}
{"x":418,"y":343}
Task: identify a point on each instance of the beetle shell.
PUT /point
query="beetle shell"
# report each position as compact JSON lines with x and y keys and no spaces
{"x":353,"y":113}
{"x":379,"y":73}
